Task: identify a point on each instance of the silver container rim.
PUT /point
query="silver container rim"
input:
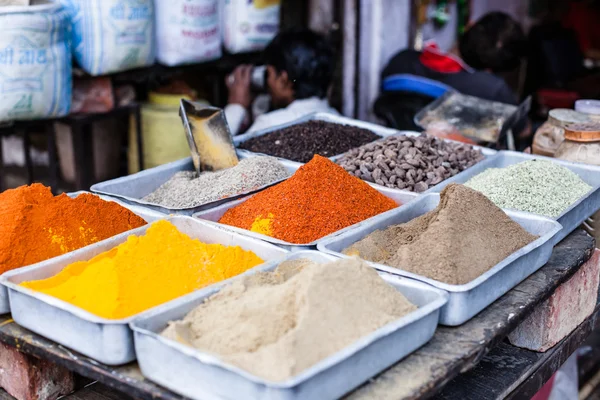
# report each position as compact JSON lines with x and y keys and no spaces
{"x":98,"y":189}
{"x":564,"y":163}
{"x":556,"y":227}
{"x":314,"y":243}
{"x":93,"y":318}
{"x":324,"y":364}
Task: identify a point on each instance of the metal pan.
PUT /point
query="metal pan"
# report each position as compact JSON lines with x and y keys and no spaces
{"x":132,"y":189}
{"x":105,"y":340}
{"x":215,"y":214}
{"x":573,"y":216}
{"x":198,"y":375}
{"x":148,"y":215}
{"x":469,"y":299}
{"x":320,"y":116}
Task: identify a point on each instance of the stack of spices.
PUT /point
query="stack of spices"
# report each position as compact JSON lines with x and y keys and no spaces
{"x":36,"y":226}
{"x":187,"y":189}
{"x":465,"y":236}
{"x":300,"y":142}
{"x":144,"y":272}
{"x":276,"y":325}
{"x":410,"y":163}
{"x":319,"y":199}
{"x":536,"y":186}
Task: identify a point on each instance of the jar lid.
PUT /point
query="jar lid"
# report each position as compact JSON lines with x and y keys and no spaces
{"x":586,"y":132}
{"x":588,"y":106}
{"x":563,"y":116}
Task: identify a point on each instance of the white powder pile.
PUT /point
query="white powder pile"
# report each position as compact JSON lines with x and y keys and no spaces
{"x":276,"y":325}
{"x":188,"y":189}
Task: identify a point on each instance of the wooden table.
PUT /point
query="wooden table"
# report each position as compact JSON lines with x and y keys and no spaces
{"x":421,"y":375}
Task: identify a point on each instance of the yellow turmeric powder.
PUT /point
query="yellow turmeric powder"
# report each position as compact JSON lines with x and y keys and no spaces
{"x":263,"y":225}
{"x":144,"y":272}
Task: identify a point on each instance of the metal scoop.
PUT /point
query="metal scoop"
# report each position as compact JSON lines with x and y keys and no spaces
{"x":208,"y":136}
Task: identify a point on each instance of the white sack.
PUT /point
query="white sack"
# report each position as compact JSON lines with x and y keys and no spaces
{"x":35,"y":62}
{"x":249,"y":25}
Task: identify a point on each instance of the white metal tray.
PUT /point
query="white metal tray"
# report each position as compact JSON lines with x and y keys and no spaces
{"x":132,"y":189}
{"x":215,"y":214}
{"x":573,"y":216}
{"x":148,"y":215}
{"x":105,"y":340}
{"x":198,"y":375}
{"x":468,"y":299}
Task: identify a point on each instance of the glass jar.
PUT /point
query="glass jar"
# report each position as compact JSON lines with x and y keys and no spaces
{"x":582,"y":144}
{"x":551,"y":134}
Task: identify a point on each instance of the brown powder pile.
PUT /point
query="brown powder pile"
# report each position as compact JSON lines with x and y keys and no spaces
{"x":276,"y":325}
{"x":465,"y":236}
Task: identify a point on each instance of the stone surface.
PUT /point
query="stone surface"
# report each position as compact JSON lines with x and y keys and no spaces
{"x":569,"y":306}
{"x":29,"y":378}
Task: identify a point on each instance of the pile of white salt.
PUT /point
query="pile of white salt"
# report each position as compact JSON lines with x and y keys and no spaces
{"x":275,"y":325}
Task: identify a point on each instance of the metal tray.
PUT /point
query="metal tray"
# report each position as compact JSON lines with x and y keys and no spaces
{"x":573,"y":216}
{"x":198,"y":375}
{"x":132,"y":188}
{"x":215,"y":214}
{"x":105,"y":340}
{"x":148,"y":215}
{"x":469,"y":299}
{"x":320,"y":116}
{"x":487,"y":152}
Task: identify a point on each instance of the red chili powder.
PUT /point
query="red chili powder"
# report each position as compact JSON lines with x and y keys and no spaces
{"x":319,"y":199}
{"x":36,"y":226}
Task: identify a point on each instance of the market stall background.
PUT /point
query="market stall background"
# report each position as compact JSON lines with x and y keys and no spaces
{"x":376,"y":186}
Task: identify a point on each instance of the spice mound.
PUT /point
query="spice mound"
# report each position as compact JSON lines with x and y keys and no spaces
{"x":465,"y":236}
{"x":144,"y":272}
{"x":409,"y":163}
{"x":319,"y":199}
{"x":536,"y":186}
{"x":300,"y":142}
{"x":276,"y":325}
{"x":188,"y":189}
{"x":36,"y":226}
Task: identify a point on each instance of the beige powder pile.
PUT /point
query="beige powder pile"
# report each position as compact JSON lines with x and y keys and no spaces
{"x":276,"y":325}
{"x":465,"y":236}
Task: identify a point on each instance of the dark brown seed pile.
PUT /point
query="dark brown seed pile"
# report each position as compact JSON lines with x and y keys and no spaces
{"x":301,"y":142}
{"x":410,"y":163}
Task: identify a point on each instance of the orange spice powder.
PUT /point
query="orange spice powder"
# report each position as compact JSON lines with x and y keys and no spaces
{"x":36,"y":226}
{"x":319,"y":199}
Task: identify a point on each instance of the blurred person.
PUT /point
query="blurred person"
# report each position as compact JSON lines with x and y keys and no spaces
{"x":492,"y":45}
{"x":299,"y":71}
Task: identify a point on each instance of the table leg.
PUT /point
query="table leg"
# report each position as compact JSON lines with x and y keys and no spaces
{"x":27,"y":150}
{"x":53,"y":156}
{"x":84,"y":155}
{"x":139,"y":138}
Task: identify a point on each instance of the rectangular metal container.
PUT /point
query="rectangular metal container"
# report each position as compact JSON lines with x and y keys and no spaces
{"x":198,"y":375}
{"x":146,"y":214}
{"x":573,"y":216}
{"x":215,"y":214}
{"x":335,"y":119}
{"x":105,"y":340}
{"x":468,"y":299}
{"x":132,"y":189}
{"x":487,"y":152}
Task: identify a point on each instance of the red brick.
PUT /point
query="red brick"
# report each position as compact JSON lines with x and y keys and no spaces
{"x":29,"y":378}
{"x":570,"y":304}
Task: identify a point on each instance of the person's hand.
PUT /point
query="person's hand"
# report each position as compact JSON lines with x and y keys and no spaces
{"x":238,"y":84}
